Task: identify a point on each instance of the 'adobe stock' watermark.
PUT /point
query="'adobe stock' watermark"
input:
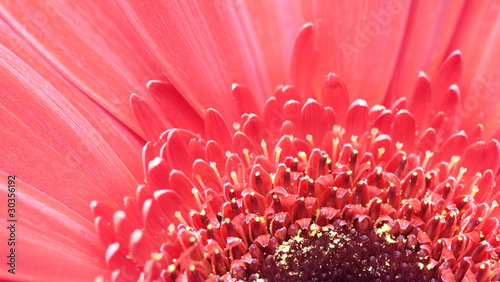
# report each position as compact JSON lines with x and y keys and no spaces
{"x":378,"y":22}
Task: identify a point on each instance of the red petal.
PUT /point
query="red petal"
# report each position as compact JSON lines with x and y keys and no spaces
{"x":420,"y":50}
{"x":357,"y":44}
{"x":244,"y":100}
{"x":480,"y":157}
{"x":403,"y":130}
{"x":177,"y":152}
{"x":174,"y":110}
{"x":50,"y":228}
{"x":421,"y":100}
{"x":275,"y":22}
{"x":217,"y":129}
{"x":150,"y":123}
{"x":102,"y":57}
{"x":119,"y":137}
{"x":222,"y":42}
{"x":450,"y":72}
{"x":303,"y":61}
{"x":55,"y":144}
{"x":356,"y":119}
{"x":334,"y":94}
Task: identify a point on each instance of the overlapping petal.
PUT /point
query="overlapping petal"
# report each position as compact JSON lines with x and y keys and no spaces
{"x":202,"y":47}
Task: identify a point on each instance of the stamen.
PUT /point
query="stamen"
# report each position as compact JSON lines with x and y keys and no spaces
{"x":354,"y":140}
{"x":234,"y":177}
{"x":214,"y":167}
{"x":428,"y":156}
{"x":264,"y":148}
{"x":247,"y":156}
{"x":303,"y":156}
{"x":237,"y":126}
{"x":178,"y":215}
{"x":335,"y":148}
{"x":277,"y":154}
{"x":381,"y":152}
{"x":463,"y":170}
{"x":309,"y":138}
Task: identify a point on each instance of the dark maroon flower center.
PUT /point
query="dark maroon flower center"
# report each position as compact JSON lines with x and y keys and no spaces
{"x":344,"y":254}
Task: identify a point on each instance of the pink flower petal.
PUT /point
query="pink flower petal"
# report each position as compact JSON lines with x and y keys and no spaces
{"x":477,"y":36}
{"x":119,"y":137}
{"x":201,"y":47}
{"x":56,"y":149}
{"x":276,"y":24}
{"x":360,"y":41}
{"x":91,"y":44}
{"x":63,"y":248}
{"x":425,"y":43}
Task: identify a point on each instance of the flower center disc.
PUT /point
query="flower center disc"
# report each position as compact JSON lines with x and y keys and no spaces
{"x":344,"y":254}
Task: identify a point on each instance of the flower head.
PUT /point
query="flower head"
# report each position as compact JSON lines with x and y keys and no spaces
{"x":358,"y":167}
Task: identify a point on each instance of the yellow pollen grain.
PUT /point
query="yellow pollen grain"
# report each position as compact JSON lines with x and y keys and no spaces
{"x":309,"y":138}
{"x":209,"y":226}
{"x":237,"y":126}
{"x":171,"y":268}
{"x":399,"y":146}
{"x":203,"y":212}
{"x":192,"y":268}
{"x":264,"y":148}
{"x":156,"y":256}
{"x":234,"y":177}
{"x":354,"y":140}
{"x":302,"y":156}
{"x":233,"y":200}
{"x":214,"y":167}
{"x":381,"y":152}
{"x":227,"y":220}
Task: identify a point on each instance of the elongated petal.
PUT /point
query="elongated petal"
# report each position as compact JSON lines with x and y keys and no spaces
{"x":477,"y":36}
{"x":202,"y":47}
{"x":276,"y":22}
{"x":56,"y":149}
{"x":119,"y":137}
{"x":360,"y":41}
{"x":421,"y":50}
{"x":63,"y":248}
{"x":91,"y":44}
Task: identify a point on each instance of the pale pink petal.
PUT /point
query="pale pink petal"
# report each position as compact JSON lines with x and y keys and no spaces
{"x":202,"y":47}
{"x":51,"y":146}
{"x":91,"y":44}
{"x":53,"y":243}
{"x":478,"y":38}
{"x":359,"y":41}
{"x":276,"y":24}
{"x":430,"y":27}
{"x":120,"y":138}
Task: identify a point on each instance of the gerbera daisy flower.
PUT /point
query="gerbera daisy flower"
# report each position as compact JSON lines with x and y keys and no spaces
{"x":325,"y":141}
